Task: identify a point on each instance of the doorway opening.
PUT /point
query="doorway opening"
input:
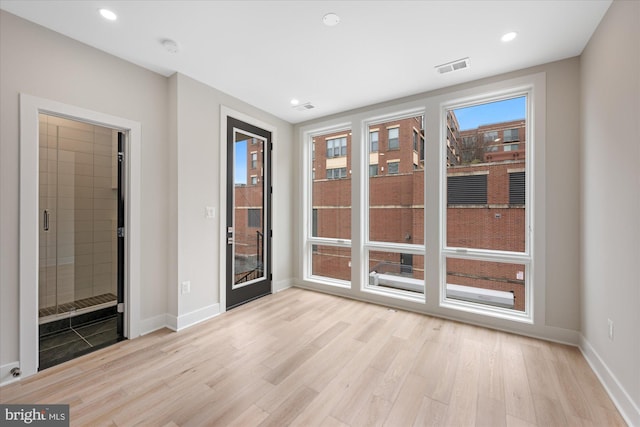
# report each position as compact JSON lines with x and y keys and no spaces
{"x":81,"y":238}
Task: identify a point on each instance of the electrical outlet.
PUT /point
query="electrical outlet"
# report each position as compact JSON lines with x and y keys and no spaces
{"x":185,"y":287}
{"x":610,"y":329}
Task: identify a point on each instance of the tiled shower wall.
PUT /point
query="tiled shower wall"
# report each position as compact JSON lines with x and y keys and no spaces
{"x":78,"y":185}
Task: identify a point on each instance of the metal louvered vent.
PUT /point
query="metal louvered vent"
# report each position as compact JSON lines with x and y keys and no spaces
{"x":467,"y":190}
{"x":457,"y":65}
{"x":517,"y":188}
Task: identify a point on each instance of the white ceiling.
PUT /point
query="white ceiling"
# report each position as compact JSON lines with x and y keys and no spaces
{"x":267,"y":52}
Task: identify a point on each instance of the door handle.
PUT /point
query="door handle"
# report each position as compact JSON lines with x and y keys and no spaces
{"x":45,"y":220}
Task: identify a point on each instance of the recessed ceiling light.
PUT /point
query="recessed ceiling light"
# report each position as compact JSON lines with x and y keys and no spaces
{"x":509,"y":36}
{"x":295,"y":102}
{"x":331,"y":19}
{"x":107,"y":14}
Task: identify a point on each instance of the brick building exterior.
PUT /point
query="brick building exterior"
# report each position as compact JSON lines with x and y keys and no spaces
{"x":487,"y":214}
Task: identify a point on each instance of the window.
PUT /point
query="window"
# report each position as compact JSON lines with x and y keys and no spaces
{"x":393,"y":168}
{"x":337,"y":147}
{"x":486,"y":215}
{"x":516,"y":188}
{"x":254,"y":180}
{"x":467,"y":190}
{"x":394,"y":141}
{"x":329,"y":205}
{"x":253,"y":216}
{"x":395,"y":221}
{"x":511,"y":135}
{"x":462,"y":230}
{"x":336,"y":173}
{"x":373,"y":138}
{"x":490,"y":137}
{"x":254,"y":160}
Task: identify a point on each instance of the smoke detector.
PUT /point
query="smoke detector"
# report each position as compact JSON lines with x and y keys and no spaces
{"x":456,"y":65}
{"x":170,"y":46}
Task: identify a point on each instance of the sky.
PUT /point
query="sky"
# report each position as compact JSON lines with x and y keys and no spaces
{"x":240,"y":158}
{"x":493,"y":112}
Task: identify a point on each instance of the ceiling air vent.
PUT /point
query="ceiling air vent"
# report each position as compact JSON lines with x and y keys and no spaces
{"x":457,"y":65}
{"x":304,"y":107}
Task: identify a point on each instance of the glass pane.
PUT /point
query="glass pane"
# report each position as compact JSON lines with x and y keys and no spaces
{"x":331,"y":261}
{"x":396,"y":183}
{"x":249,"y":226}
{"x":484,"y":170}
{"x":331,"y":185}
{"x":491,"y":283}
{"x":393,"y":270}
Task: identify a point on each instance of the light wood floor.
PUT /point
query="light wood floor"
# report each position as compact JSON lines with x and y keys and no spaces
{"x":308,"y":359}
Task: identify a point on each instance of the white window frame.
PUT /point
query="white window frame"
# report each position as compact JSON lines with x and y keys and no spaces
{"x":309,"y":241}
{"x":525,"y":258}
{"x":432,"y":302}
{"x":375,"y":246}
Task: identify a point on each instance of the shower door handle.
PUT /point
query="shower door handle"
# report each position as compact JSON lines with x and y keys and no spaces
{"x":46,"y":220}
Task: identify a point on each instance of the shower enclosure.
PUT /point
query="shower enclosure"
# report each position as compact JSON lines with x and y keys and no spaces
{"x":78,"y":239}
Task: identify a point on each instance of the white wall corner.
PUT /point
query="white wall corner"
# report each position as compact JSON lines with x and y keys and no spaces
{"x":623,"y":401}
{"x":155,"y":323}
{"x":189,"y":319}
{"x":281,"y":285}
{"x":5,"y":373}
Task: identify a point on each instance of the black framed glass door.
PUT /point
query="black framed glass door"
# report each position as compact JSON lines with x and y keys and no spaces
{"x":248,"y":231}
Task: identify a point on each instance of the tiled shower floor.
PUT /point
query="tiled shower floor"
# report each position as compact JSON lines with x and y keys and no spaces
{"x":75,"y":340}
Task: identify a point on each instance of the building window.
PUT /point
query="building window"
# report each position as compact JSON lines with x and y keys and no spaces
{"x":373,"y":140}
{"x":486,"y":215}
{"x":337,"y":147}
{"x":511,"y":135}
{"x":490,"y":137}
{"x":517,"y":188}
{"x":467,"y":190}
{"x":254,"y":160}
{"x":394,"y":138}
{"x":253,"y":216}
{"x":373,"y":170}
{"x":393,"y":168}
{"x":254,"y":180}
{"x":337,"y":173}
{"x":510,"y":147}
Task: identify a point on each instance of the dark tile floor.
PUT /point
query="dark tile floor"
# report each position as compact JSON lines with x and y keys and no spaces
{"x":75,"y":340}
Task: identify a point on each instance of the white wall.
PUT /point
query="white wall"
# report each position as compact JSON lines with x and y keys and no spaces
{"x":610,"y":202}
{"x":196,"y":153}
{"x":45,"y":64}
{"x":180,"y":120}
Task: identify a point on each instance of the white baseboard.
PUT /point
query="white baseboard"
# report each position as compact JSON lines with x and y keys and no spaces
{"x":197,"y":316}
{"x":625,"y":404}
{"x":153,"y":324}
{"x":5,"y":373}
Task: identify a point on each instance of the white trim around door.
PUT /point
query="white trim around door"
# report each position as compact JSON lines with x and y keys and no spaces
{"x":30,"y":107}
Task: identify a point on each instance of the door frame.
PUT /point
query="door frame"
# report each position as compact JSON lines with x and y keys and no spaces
{"x":226,"y":112}
{"x":30,"y":107}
